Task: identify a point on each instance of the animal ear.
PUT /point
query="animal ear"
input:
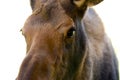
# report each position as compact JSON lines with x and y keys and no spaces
{"x":32,"y":4}
{"x":93,"y":2}
{"x":79,"y":3}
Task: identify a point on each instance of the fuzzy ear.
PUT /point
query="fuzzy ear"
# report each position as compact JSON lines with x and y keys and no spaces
{"x":93,"y":2}
{"x":32,"y":4}
{"x":35,"y":4}
{"x":79,"y":3}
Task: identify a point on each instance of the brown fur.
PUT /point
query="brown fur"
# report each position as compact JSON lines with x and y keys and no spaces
{"x":54,"y":54}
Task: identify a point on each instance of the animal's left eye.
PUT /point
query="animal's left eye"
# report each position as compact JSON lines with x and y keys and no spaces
{"x":70,"y":32}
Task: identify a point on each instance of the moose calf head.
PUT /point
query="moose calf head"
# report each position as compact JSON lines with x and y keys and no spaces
{"x":52,"y":40}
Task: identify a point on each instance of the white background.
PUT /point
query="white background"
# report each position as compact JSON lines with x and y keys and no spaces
{"x":13,"y":14}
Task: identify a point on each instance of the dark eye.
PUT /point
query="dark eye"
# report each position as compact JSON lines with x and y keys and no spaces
{"x":21,"y":31}
{"x":70,"y":32}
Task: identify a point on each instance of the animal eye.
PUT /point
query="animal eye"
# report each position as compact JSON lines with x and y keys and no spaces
{"x":21,"y":31}
{"x":70,"y":32}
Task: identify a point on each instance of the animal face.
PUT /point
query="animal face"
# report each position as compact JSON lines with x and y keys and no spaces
{"x":48,"y":39}
{"x":50,"y":34}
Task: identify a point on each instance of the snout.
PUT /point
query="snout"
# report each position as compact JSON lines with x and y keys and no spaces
{"x":35,"y":66}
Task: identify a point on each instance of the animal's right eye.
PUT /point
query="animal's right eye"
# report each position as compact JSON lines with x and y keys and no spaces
{"x":21,"y":31}
{"x":70,"y":32}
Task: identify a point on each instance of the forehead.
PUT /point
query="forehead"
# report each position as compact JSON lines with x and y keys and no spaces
{"x":53,"y":17}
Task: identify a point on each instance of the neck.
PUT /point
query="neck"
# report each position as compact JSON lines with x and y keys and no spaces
{"x":78,"y":55}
